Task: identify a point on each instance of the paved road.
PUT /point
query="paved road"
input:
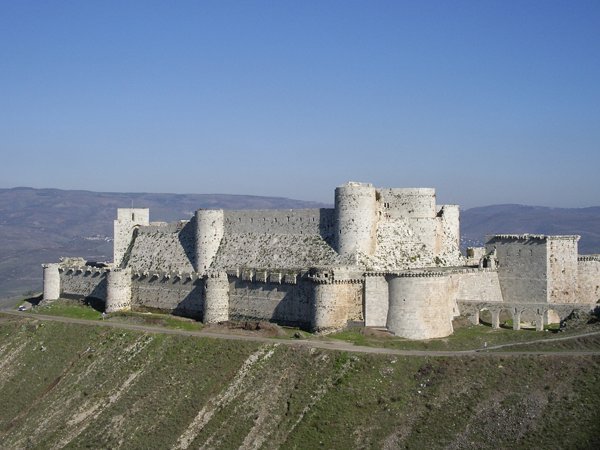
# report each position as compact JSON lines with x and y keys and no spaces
{"x":324,"y":344}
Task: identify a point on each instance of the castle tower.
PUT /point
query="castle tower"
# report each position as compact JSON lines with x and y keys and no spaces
{"x":118,"y":290}
{"x":216,"y":298}
{"x":51,"y":281}
{"x":209,"y":232}
{"x":127,"y":220}
{"x":355,"y":218}
{"x":419,"y":306}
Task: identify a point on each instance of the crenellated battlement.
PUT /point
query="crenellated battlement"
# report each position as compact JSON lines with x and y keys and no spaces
{"x":386,"y":257}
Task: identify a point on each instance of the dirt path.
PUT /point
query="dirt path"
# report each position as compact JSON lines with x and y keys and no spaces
{"x":328,"y":345}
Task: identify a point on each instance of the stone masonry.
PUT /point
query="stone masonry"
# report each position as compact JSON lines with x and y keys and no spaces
{"x":386,"y":258}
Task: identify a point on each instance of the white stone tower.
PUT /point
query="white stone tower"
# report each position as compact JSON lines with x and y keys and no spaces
{"x":127,"y":220}
{"x":356,"y":218}
{"x":118,"y":290}
{"x":216,"y":297}
{"x":51,"y":281}
{"x":209,"y":232}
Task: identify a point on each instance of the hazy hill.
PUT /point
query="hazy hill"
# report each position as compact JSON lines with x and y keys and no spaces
{"x":41,"y":225}
{"x":476,"y":223}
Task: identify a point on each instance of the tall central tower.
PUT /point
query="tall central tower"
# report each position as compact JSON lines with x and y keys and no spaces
{"x":356,"y":218}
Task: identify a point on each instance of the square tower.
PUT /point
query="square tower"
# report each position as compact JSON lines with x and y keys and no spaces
{"x":127,"y":220}
{"x":536,"y":268}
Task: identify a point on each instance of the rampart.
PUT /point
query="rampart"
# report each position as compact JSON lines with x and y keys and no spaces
{"x":381,"y":257}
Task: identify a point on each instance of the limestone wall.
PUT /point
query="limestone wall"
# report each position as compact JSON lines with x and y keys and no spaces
{"x":479,"y":285}
{"x":376,"y":301}
{"x":333,"y":305}
{"x":447,"y":248}
{"x":118,"y":290}
{"x":209,"y":232}
{"x":127,"y":220}
{"x":403,"y":244}
{"x":169,"y":292}
{"x":274,"y":251}
{"x":289,"y":221}
{"x":408,"y":202}
{"x":168,"y":247}
{"x":588,"y":267}
{"x":522,"y":267}
{"x":216,"y":297}
{"x":356,"y":215}
{"x":83,"y":282}
{"x":283,"y":303}
{"x":474,"y":255}
{"x":562,"y":269}
{"x":420,"y":306}
{"x":51,"y":281}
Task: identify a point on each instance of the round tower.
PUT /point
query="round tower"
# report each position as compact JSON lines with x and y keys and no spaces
{"x":420,"y":306}
{"x":118,"y":290}
{"x":216,"y":297}
{"x":355,"y":218}
{"x":209,"y":232}
{"x":51,"y":281}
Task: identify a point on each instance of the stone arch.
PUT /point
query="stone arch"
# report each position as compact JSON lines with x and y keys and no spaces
{"x":489,"y":315}
{"x":552,"y":316}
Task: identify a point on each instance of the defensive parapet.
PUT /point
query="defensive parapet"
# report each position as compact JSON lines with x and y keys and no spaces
{"x":413,"y":203}
{"x":355,"y":218}
{"x":216,"y":298}
{"x":209,"y":232}
{"x":127,"y":220}
{"x":51,"y":281}
{"x":118,"y":290}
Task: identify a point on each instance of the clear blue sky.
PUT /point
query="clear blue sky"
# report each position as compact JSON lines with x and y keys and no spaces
{"x":487,"y":101}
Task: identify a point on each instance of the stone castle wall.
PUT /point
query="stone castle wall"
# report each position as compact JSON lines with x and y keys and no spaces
{"x":181,"y":294}
{"x":588,"y":288}
{"x":83,"y":282}
{"x":288,"y":221}
{"x":376,"y":300}
{"x":420,"y":307}
{"x":562,"y":269}
{"x":283,"y":303}
{"x":167,"y":247}
{"x":479,"y":285}
{"x":127,"y":220}
{"x":522,"y":267}
{"x":382,"y":257}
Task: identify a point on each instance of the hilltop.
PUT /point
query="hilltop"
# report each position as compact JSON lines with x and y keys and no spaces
{"x":41,"y":225}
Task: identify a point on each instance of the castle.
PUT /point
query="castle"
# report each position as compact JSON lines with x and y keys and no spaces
{"x":382,"y":257}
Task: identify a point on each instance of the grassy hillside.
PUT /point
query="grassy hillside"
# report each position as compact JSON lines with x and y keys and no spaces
{"x":95,"y":387}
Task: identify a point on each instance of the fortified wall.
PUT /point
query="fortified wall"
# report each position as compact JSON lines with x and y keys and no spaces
{"x":383,"y":257}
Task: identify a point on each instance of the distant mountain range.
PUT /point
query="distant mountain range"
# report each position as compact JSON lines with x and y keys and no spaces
{"x":476,"y":223}
{"x":41,"y":225}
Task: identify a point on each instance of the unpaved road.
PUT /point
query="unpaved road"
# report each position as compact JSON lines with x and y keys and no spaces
{"x":323,"y":344}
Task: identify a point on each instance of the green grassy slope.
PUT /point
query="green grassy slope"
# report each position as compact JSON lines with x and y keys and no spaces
{"x":80,"y":386}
